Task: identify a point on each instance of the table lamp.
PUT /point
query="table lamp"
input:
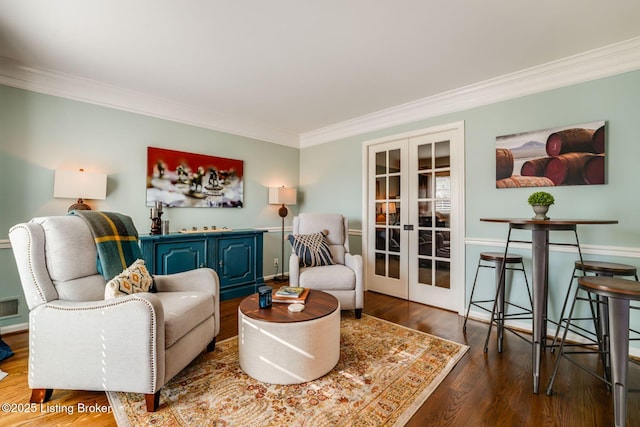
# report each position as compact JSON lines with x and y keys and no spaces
{"x":79,"y":185}
{"x":282,"y":196}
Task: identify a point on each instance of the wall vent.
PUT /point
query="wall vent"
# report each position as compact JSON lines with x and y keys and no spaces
{"x":8,"y":307}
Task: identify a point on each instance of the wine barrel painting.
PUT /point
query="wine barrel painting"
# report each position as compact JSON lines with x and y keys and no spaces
{"x":568,"y":169}
{"x":570,"y":141}
{"x":516,"y":181}
{"x":534,"y":167}
{"x":504,"y":163}
{"x":598,"y":140}
{"x":594,"y":170}
{"x":573,"y":155}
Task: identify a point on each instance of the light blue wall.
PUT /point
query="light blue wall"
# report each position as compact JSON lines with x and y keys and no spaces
{"x":40,"y":133}
{"x":332,"y":182}
{"x":332,"y":172}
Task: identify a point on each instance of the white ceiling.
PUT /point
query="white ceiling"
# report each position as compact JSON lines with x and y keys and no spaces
{"x":290,"y":67}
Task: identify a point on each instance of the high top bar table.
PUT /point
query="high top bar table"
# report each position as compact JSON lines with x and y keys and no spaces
{"x":540,"y":261}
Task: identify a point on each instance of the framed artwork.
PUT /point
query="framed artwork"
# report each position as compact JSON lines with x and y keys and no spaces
{"x":180,"y":179}
{"x":571,"y":155}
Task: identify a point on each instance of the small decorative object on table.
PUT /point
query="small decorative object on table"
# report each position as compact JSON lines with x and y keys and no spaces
{"x":540,"y":202}
{"x":296,"y":308}
{"x":264,"y":296}
{"x":155,"y":217}
{"x":289,"y":295}
{"x":289,"y":292}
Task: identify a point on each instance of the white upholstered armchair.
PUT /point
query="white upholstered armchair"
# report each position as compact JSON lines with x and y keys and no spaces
{"x":80,"y":341}
{"x":343,"y":279}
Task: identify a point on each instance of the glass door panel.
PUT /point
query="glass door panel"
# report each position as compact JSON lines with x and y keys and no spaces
{"x":389,"y":245}
{"x":432,"y":183}
{"x":381,"y":188}
{"x":394,"y":161}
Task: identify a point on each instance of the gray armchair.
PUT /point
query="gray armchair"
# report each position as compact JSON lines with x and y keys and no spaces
{"x":343,"y":279}
{"x":80,"y":341}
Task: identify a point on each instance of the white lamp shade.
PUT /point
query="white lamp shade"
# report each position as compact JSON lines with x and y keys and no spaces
{"x":79,"y":184}
{"x":392,"y":208}
{"x":282,"y":196}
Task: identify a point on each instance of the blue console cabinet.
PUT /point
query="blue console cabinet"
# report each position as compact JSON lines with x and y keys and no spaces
{"x":235,"y":255}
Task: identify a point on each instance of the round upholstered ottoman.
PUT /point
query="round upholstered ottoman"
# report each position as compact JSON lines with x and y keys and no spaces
{"x":277,"y":346}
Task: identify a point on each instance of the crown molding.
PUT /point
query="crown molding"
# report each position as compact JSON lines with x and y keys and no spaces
{"x":85,"y":90}
{"x":598,"y":63}
{"x":591,"y":65}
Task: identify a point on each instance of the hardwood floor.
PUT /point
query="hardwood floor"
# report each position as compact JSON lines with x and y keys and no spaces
{"x":484,"y":389}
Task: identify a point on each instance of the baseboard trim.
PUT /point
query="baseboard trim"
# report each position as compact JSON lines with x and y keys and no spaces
{"x":11,"y":329}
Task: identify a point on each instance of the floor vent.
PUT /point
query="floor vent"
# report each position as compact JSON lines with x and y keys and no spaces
{"x":8,"y":307}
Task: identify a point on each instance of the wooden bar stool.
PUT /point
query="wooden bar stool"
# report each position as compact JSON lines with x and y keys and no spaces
{"x":616,"y":293}
{"x":500,"y":262}
{"x":598,"y":268}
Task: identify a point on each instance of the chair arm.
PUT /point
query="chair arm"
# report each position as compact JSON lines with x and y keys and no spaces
{"x":294,"y":270}
{"x":116,"y":344}
{"x":201,"y":279}
{"x":204,"y":280}
{"x":355,"y":263}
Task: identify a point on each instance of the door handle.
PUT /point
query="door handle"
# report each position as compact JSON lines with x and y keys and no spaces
{"x":408,"y":227}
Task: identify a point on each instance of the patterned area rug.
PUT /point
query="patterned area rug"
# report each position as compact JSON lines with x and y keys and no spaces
{"x":385,"y":373}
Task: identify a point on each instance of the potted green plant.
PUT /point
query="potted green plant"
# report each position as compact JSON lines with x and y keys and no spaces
{"x":540,"y":202}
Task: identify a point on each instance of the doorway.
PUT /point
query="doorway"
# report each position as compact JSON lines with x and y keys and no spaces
{"x":413,"y":239}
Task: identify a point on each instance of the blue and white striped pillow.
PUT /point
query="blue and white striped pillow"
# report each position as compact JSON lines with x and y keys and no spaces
{"x":312,"y":249}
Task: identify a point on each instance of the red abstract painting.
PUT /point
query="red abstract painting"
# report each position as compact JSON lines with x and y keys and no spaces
{"x":181,"y":179}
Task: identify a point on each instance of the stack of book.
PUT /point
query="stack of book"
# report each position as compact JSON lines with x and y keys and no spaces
{"x":289,"y":295}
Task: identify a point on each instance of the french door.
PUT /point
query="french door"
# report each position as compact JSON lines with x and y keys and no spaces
{"x":413,"y":216}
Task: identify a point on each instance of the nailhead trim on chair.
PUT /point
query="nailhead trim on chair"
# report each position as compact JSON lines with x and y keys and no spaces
{"x":133,"y":298}
{"x":33,"y":277}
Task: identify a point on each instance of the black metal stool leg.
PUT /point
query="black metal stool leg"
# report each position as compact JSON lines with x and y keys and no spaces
{"x":619,"y":323}
{"x":562,"y":320}
{"x":498,"y":303}
{"x":561,"y":348}
{"x":473,"y":289}
{"x":491,"y":320}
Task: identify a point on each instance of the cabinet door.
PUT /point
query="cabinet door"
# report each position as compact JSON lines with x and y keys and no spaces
{"x":179,"y":256}
{"x":236,"y":260}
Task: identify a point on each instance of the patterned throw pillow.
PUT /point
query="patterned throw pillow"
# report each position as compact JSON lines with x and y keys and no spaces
{"x":135,"y":278}
{"x":312,"y":249}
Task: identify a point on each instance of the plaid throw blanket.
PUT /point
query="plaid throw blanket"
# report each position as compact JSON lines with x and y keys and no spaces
{"x":116,"y":239}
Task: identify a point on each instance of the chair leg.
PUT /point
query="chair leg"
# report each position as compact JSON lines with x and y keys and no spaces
{"x":473,"y":289}
{"x":153,"y":401}
{"x":562,"y":342}
{"x":499,"y":290}
{"x":358,"y":313}
{"x":40,"y":395}
{"x":495,"y":316}
{"x":212,"y":345}
{"x":526,"y":282}
{"x":563,"y":320}
{"x":602,"y":330}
